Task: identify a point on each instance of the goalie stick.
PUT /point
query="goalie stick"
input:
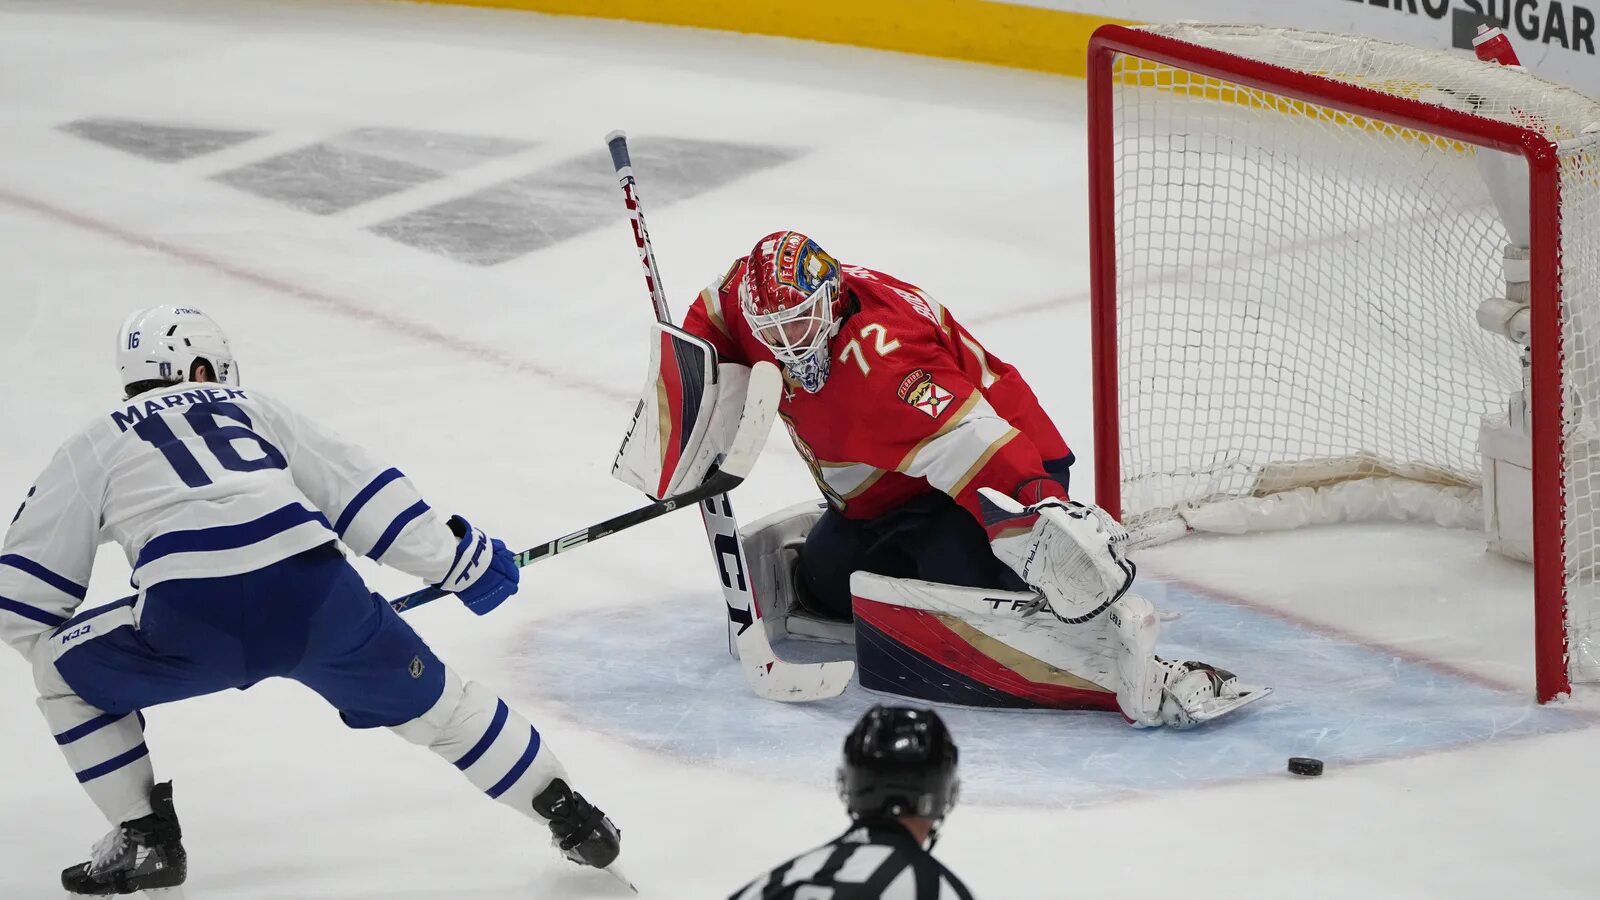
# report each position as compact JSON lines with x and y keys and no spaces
{"x":770,"y":677}
{"x":760,"y":409}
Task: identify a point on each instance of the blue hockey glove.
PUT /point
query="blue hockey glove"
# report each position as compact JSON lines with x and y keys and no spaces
{"x":484,"y":572}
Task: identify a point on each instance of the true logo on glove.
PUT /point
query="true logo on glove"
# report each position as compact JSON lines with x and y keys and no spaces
{"x":924,"y":394}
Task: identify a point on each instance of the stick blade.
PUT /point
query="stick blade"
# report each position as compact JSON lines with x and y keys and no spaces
{"x":788,"y":682}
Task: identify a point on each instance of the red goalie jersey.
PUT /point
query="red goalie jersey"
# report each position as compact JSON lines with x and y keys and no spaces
{"x":912,"y":402}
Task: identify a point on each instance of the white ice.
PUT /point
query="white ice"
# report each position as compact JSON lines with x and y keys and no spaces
{"x":502,"y":391}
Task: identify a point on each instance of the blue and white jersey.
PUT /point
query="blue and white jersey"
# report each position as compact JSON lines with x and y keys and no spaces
{"x":203,"y":481}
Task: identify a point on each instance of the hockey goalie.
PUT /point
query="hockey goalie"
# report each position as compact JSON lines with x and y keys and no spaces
{"x":948,"y":549}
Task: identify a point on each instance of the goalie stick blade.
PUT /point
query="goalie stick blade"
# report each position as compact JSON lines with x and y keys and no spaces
{"x":788,"y":682}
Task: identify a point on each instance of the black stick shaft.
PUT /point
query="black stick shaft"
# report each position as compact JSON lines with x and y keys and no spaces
{"x":716,"y":483}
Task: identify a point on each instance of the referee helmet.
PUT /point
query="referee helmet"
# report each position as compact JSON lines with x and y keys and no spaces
{"x":899,"y":761}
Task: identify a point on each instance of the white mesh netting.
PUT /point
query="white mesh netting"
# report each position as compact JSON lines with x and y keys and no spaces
{"x":1297,"y":287}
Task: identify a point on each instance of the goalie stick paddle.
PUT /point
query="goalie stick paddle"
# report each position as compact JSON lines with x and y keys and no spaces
{"x":770,"y":677}
{"x":755,"y":421}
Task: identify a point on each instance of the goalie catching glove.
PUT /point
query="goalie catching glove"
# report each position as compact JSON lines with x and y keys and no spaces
{"x":1073,"y":553}
{"x":687,"y":415}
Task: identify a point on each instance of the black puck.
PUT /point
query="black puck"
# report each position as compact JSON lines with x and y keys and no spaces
{"x":1305,"y":765}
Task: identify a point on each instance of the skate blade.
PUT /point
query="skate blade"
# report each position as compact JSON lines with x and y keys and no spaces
{"x":171,"y":893}
{"x":616,"y":873}
{"x":1216,"y":709}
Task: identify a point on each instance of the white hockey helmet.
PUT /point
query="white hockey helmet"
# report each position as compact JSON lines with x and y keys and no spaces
{"x":163,"y":343}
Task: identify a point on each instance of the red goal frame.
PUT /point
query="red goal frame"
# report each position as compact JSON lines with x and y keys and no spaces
{"x":1549,"y":499}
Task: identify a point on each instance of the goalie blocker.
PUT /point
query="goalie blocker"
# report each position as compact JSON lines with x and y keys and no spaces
{"x":687,"y":415}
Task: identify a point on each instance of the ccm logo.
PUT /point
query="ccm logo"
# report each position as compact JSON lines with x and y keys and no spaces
{"x":76,"y":633}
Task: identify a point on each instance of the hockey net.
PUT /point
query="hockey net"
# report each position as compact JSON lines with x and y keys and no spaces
{"x":1291,"y":239}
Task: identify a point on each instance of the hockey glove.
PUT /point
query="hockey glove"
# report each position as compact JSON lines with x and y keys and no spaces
{"x":484,"y":573}
{"x":1074,"y":554}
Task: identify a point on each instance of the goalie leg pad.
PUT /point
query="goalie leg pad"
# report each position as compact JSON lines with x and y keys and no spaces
{"x":976,"y":647}
{"x":686,"y":418}
{"x":499,"y":751}
{"x":1134,"y":627}
{"x":772,"y":554}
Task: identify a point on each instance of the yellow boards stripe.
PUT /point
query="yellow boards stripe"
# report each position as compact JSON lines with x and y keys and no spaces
{"x":1003,"y":34}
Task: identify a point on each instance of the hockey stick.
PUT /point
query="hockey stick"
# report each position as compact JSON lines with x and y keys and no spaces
{"x":770,"y":677}
{"x":760,"y":409}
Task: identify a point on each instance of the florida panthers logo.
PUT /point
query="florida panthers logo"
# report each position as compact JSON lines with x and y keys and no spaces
{"x":801,"y":264}
{"x":924,"y":394}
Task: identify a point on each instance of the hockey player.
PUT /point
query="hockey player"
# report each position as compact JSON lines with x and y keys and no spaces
{"x":898,"y":781}
{"x":935,"y":457}
{"x":229,"y":507}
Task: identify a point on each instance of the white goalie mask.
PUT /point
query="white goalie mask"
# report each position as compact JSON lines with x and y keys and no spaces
{"x":163,"y":343}
{"x":790,"y":295}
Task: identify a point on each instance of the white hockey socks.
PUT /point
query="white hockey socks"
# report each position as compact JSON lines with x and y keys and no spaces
{"x":499,"y":751}
{"x":106,"y":752}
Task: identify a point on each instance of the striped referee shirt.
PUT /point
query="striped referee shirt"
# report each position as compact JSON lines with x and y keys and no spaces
{"x":877,"y":860}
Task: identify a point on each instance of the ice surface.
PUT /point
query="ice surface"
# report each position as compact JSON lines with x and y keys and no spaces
{"x":501,"y":386}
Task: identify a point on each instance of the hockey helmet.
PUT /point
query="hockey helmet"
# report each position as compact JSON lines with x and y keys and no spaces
{"x":790,"y":295}
{"x":163,"y":343}
{"x":899,"y":761}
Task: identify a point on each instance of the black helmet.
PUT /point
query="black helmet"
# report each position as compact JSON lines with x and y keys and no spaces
{"x":899,"y":761}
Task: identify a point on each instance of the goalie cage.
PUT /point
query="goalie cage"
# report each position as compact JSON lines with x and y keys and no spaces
{"x":1290,"y":239}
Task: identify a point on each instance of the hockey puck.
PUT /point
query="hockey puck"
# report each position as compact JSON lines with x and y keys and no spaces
{"x":1305,"y":765}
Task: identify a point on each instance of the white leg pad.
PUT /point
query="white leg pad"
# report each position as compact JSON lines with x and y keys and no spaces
{"x":107,"y":752}
{"x":1135,"y":627}
{"x":499,"y":751}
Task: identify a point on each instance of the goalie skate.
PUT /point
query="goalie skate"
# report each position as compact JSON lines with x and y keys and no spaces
{"x":1197,"y":693}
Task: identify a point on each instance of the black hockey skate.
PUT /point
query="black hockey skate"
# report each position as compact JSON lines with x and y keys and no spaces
{"x":143,"y":854}
{"x":582,"y":831}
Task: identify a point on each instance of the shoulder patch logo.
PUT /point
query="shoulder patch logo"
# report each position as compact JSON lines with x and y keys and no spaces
{"x":924,"y":394}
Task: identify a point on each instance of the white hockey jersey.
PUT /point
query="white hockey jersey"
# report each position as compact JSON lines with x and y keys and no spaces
{"x":203,"y":481}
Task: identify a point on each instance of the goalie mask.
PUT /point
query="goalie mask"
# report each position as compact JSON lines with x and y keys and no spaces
{"x":790,"y":297}
{"x":899,"y":761}
{"x":163,"y":344}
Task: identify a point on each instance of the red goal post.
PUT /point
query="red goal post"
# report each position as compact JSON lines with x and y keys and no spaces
{"x":1183,"y":65}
